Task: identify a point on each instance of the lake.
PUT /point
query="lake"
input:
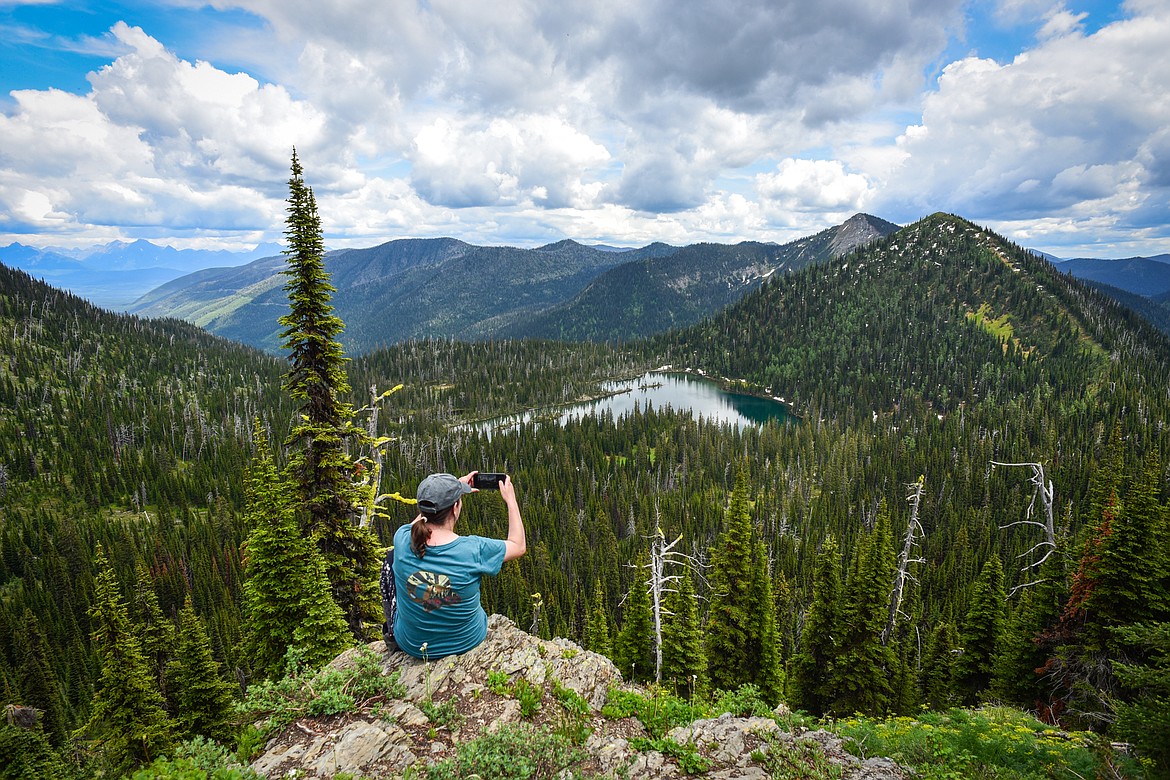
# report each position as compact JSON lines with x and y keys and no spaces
{"x":702,"y":397}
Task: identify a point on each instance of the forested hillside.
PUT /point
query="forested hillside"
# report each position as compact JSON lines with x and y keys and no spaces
{"x":1156,"y":309}
{"x":652,"y":295}
{"x":411,"y":288}
{"x":913,"y":365}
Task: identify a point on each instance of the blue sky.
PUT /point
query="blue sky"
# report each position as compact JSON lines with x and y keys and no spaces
{"x":611,"y":121}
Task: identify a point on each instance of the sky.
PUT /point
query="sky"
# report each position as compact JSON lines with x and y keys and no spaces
{"x":616,"y":122}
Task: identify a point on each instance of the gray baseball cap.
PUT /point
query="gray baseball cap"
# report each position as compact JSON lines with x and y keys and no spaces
{"x":440,"y":491}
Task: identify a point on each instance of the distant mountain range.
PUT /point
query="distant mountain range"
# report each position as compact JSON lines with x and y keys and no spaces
{"x":1141,"y":283}
{"x":404,"y":289}
{"x":116,"y":274}
{"x":415,"y":288}
{"x":1145,"y":276}
{"x":444,"y":287}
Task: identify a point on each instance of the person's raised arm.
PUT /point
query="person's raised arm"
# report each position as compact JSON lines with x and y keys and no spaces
{"x":515,"y":544}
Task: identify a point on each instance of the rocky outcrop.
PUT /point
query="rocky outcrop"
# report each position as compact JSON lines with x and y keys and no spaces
{"x":858,"y":231}
{"x":384,"y":741}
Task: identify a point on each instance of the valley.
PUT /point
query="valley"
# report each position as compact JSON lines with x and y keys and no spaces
{"x":916,"y":360}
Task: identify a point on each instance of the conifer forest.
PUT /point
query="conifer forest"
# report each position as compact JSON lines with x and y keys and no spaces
{"x":971,"y":504}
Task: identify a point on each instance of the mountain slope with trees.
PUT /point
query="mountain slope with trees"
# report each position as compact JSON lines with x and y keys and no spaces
{"x":411,"y":288}
{"x":656,"y":294}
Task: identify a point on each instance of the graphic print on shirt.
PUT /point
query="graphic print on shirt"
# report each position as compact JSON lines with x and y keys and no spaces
{"x":431,"y":590}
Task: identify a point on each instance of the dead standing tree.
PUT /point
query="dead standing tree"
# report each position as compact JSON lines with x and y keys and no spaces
{"x":368,"y":466}
{"x":904,"y":560}
{"x":1044,"y":491}
{"x":659,"y":583}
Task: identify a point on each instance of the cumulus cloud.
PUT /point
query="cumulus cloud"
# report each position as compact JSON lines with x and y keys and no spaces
{"x":528,"y":159}
{"x":813,"y":185}
{"x":157,"y":141}
{"x":657,"y":84}
{"x":1075,"y":126}
{"x":621,"y":121}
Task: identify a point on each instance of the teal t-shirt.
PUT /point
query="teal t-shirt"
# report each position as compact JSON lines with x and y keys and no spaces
{"x":438,"y":594}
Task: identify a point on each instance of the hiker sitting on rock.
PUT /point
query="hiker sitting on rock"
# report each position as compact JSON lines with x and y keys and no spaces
{"x":435,"y":572}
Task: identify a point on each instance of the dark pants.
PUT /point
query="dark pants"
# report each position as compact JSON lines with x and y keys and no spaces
{"x":389,"y":600}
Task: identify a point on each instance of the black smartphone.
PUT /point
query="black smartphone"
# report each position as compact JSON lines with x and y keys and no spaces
{"x":487,"y":480}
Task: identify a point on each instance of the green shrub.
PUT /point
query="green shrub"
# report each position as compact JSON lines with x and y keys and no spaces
{"x":498,"y":682}
{"x":574,"y":715}
{"x":249,"y":744}
{"x":659,"y":712}
{"x":529,"y":696}
{"x":442,"y":715}
{"x":993,"y":742}
{"x":197,"y":759}
{"x":803,"y":759}
{"x":689,"y":759}
{"x":746,"y":701}
{"x":329,"y":691}
{"x":511,"y":753}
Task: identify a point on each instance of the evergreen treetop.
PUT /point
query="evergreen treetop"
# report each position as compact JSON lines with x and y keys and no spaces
{"x":127,"y":722}
{"x":324,"y":471}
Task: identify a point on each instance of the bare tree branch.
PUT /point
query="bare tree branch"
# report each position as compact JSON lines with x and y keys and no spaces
{"x":1045,"y":492}
{"x":904,"y":560}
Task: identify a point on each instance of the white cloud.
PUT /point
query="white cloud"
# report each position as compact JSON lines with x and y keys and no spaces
{"x":609,"y":120}
{"x":157,"y":141}
{"x":527,"y":159}
{"x":1061,"y":22}
{"x":1072,"y":128}
{"x":813,"y":185}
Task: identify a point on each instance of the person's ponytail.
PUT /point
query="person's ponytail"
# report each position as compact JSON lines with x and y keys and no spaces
{"x":420,"y":534}
{"x":420,"y":529}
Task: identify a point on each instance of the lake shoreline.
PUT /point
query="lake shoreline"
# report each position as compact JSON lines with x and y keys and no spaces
{"x":679,"y":388}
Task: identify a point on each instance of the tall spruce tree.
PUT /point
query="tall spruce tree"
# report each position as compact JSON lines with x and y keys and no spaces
{"x":769,"y":671}
{"x":939,"y":678}
{"x":1027,"y":644}
{"x":1078,"y":673}
{"x":684,"y":663}
{"x":287,"y":601}
{"x":1145,"y":721}
{"x":1132,"y":565}
{"x":597,"y":622}
{"x":634,"y":647}
{"x":38,"y":683}
{"x":27,"y":754}
{"x":156,"y":634}
{"x":127,"y":721}
{"x":1115,"y":585}
{"x":982,"y":631}
{"x":816,"y":656}
{"x":733,"y":622}
{"x":202,"y":698}
{"x":322,"y":469}
{"x":864,"y":667}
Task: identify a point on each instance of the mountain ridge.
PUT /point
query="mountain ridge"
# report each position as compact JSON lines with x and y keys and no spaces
{"x":982,"y":288}
{"x":1145,"y":276}
{"x":675,"y":290}
{"x":446,"y":288}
